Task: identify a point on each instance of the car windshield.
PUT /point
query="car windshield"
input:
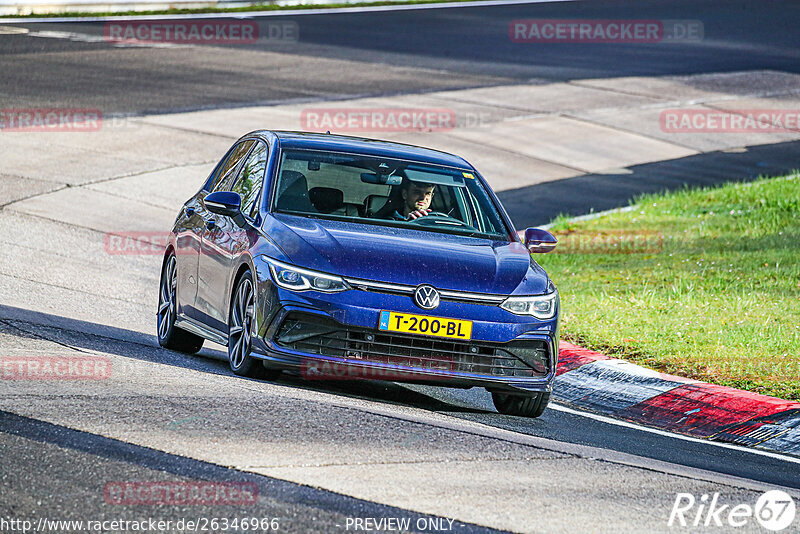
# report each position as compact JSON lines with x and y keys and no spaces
{"x":377,"y":190}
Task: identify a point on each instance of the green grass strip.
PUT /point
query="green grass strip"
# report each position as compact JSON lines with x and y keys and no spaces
{"x":701,"y":283}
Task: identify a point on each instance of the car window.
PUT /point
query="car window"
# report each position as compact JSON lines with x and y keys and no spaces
{"x":371,"y":190}
{"x":328,"y":177}
{"x":224,"y":176}
{"x":248,"y":184}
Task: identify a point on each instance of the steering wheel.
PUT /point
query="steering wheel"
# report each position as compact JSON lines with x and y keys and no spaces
{"x":426,"y":219}
{"x":435,"y":214}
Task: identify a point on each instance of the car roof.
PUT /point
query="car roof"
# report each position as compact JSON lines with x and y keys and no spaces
{"x":361,"y":145}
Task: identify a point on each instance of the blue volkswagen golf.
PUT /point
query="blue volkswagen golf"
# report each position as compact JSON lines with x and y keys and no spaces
{"x":347,"y":258}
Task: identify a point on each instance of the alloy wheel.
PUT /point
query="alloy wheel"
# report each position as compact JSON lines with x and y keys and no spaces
{"x":242,"y":314}
{"x":166,"y":299}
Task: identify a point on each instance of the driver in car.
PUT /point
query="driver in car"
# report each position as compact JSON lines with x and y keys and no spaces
{"x":414,"y":202}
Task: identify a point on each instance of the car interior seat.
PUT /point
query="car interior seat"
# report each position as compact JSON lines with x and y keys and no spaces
{"x":327,"y":199}
{"x":293,"y":193}
{"x":373,"y":204}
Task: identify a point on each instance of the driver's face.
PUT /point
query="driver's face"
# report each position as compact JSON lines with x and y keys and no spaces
{"x":417,"y":197}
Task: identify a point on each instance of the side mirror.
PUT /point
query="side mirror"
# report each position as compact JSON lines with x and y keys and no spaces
{"x":539,"y":241}
{"x":223,"y":203}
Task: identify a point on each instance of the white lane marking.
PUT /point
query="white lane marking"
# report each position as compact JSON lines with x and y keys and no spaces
{"x":626,"y":424}
{"x":87,"y":38}
{"x":81,"y":37}
{"x":11,"y":30}
{"x":288,"y":12}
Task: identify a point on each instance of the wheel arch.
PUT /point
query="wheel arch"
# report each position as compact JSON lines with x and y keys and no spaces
{"x":244,"y":266}
{"x":169,"y":250}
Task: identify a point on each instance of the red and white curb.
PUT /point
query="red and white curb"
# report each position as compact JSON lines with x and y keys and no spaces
{"x":592,"y":381}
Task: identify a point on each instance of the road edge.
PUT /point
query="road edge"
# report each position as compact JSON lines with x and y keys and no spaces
{"x":592,"y":381}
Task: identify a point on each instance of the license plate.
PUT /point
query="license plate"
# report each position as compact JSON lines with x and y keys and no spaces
{"x":425,"y":325}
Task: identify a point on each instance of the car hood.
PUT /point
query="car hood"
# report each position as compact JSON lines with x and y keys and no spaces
{"x":406,"y":256}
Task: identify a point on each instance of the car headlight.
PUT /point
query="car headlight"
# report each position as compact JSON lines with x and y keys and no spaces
{"x":298,"y":279}
{"x":540,"y":306}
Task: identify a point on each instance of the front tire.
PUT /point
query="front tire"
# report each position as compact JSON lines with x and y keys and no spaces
{"x":170,"y":336}
{"x":525,"y":406}
{"x":241,"y":319}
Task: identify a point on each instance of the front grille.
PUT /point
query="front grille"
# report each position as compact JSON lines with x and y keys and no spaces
{"x":316,"y":335}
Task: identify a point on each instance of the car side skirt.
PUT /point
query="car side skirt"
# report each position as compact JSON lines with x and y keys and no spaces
{"x":202,"y":330}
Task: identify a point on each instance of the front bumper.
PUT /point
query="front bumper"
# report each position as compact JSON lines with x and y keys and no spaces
{"x":335,"y":336}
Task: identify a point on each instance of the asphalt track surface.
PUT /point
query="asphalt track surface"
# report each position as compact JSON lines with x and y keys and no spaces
{"x":380,"y":52}
{"x":55,"y":469}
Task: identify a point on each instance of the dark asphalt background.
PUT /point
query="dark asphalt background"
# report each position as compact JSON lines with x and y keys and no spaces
{"x":385,"y":52}
{"x":70,"y":469}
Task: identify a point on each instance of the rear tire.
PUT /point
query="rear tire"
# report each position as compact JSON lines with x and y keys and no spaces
{"x":170,"y":336}
{"x":522,"y":405}
{"x":241,"y":318}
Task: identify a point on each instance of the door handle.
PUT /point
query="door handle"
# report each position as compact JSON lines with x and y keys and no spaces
{"x":211,"y":224}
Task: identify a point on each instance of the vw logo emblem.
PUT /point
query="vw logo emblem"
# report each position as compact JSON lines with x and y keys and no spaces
{"x":426,"y":297}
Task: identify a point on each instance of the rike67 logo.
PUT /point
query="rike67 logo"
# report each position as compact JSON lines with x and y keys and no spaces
{"x":774,"y":510}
